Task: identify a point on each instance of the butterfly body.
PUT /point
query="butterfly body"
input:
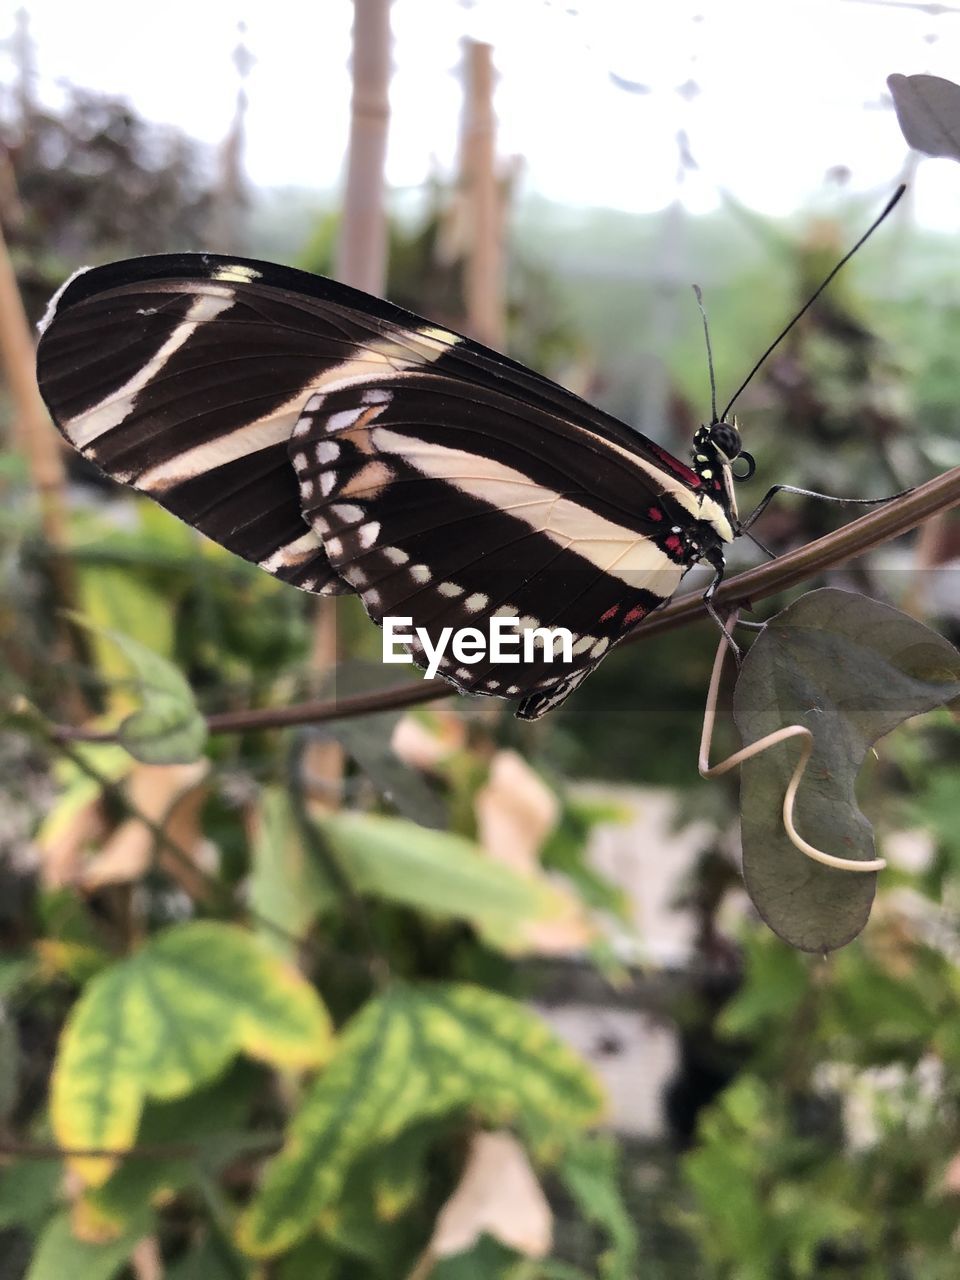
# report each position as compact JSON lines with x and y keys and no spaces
{"x":346,"y":445}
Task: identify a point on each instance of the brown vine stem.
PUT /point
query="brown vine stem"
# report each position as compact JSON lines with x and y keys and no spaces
{"x":898,"y":516}
{"x":148,"y":1151}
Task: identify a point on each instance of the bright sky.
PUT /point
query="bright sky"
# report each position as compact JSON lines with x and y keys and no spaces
{"x":786,"y":89}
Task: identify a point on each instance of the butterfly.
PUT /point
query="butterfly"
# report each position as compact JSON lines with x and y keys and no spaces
{"x":346,"y":445}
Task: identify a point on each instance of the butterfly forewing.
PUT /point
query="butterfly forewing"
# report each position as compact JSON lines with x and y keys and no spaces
{"x":345,"y":444}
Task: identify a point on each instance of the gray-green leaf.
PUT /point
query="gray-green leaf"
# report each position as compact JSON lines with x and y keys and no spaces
{"x":850,"y":670}
{"x":928,"y":110}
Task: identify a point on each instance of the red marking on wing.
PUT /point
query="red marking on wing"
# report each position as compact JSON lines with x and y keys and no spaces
{"x":673,"y":464}
{"x":635,"y":614}
{"x":655,"y":513}
{"x":611,"y":613}
{"x":673,"y":543}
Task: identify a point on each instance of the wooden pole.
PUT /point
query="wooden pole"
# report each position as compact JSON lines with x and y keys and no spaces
{"x":361,"y":258}
{"x":484,"y":281}
{"x":361,"y":261}
{"x":33,"y":433}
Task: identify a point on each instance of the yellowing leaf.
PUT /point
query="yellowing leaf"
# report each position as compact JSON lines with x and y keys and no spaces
{"x":168,"y":1020}
{"x":114,"y":599}
{"x":409,"y":1055}
{"x":498,"y":1195}
{"x":167,"y":728}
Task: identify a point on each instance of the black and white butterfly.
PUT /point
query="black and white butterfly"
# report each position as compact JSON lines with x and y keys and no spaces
{"x":347,"y":445}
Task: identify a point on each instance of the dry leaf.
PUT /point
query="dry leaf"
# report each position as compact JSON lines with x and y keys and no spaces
{"x":567,"y":929}
{"x":516,"y":811}
{"x":498,"y":1195}
{"x":145,"y":1261}
{"x":426,"y":743}
{"x":62,"y":851}
{"x":950,"y":1183}
{"x":169,"y":795}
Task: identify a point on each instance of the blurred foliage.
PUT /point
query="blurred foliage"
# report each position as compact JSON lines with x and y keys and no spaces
{"x":94,"y":176}
{"x":304,"y":1005}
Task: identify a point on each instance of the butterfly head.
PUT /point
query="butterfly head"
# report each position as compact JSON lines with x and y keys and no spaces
{"x":715,"y":449}
{"x":719,"y":445}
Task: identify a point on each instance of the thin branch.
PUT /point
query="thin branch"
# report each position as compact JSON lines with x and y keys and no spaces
{"x":147,"y":1151}
{"x":896,"y":517}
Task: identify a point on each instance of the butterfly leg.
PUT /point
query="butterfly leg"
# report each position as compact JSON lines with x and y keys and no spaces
{"x":811,"y":493}
{"x":716,"y":559}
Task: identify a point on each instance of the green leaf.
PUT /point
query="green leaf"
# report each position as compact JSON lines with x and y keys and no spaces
{"x":15,"y":972}
{"x":28,"y":1191}
{"x":9,"y":1064}
{"x":408,"y":1055}
{"x":567,"y":849}
{"x":777,"y":980}
{"x":168,"y":728}
{"x":487,"y":1260}
{"x":435,"y":871}
{"x":287,"y":886}
{"x":312,"y":1259}
{"x":211,"y":1120}
{"x":850,"y":670}
{"x":211,"y":1260}
{"x":168,"y":1020}
{"x":591,"y":1171}
{"x":60,"y":1254}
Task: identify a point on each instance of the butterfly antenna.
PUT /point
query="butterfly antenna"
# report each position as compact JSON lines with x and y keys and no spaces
{"x":891,"y":203}
{"x":706,"y":334}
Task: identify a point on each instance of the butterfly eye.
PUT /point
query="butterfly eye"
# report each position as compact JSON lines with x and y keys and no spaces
{"x":726,"y":440}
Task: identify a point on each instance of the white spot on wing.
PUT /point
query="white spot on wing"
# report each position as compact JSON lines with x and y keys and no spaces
{"x":344,"y":418}
{"x":348,"y":512}
{"x":476,"y":602}
{"x":292,"y":553}
{"x":420,"y":573}
{"x":369,"y":533}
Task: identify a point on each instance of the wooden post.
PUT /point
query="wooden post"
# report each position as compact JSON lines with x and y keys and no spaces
{"x":361,"y":261}
{"x":361,"y":258}
{"x":484,"y":282}
{"x":33,"y":432}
